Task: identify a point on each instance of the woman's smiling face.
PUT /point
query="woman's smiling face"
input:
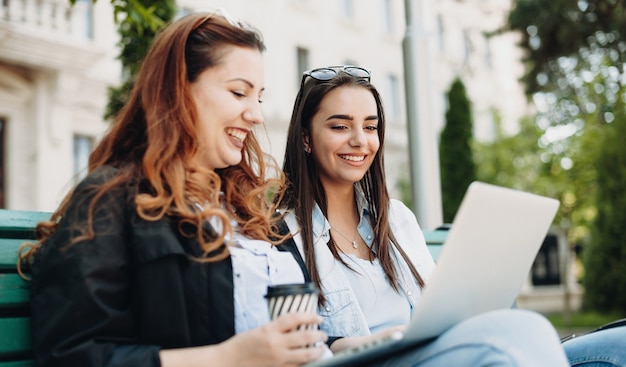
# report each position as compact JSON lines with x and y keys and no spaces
{"x":228,"y":103}
{"x":344,"y":135}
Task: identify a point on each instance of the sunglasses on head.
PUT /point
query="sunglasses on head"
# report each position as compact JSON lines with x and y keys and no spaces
{"x":224,"y":14}
{"x":329,"y":72}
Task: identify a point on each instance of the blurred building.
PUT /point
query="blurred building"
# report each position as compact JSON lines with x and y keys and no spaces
{"x":56,"y":63}
{"x":55,"y":66}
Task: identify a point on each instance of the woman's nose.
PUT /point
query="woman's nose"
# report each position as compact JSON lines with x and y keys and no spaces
{"x":358,"y":138}
{"x":254,"y":113}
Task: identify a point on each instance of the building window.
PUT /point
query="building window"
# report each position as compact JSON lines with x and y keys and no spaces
{"x":347,"y":8}
{"x":82,"y":148}
{"x":84,"y":19}
{"x":546,"y":267}
{"x":488,"y":53}
{"x":394,"y":96}
{"x":302,"y":56}
{"x":441,"y":31}
{"x":467,"y":46}
{"x":2,"y":160}
{"x":388,"y":15}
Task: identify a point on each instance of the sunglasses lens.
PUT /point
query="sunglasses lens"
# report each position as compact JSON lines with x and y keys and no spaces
{"x":323,"y":74}
{"x":327,"y":73}
{"x":358,"y":72}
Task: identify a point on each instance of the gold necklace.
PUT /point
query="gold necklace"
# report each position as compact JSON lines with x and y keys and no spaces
{"x":353,"y":241}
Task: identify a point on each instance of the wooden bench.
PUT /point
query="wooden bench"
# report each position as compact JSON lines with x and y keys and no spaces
{"x":16,"y":227}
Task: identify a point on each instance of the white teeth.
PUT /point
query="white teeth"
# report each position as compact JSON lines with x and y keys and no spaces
{"x":237,"y":134}
{"x":353,"y":158}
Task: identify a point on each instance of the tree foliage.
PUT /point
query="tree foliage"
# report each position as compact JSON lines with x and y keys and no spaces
{"x":605,"y":256}
{"x":502,"y":160}
{"x":455,"y":152}
{"x":575,"y":74}
{"x":557,"y":28}
{"x":139,"y":21}
{"x":526,"y":161}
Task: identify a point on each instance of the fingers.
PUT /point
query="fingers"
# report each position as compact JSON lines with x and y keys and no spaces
{"x":304,"y":344}
{"x":292,"y":321}
{"x":305,"y":338}
{"x":294,"y":345}
{"x":269,"y":346}
{"x":300,"y":356}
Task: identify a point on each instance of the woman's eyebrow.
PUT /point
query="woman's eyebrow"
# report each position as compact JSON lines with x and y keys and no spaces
{"x":340,"y":117}
{"x":350,"y":118}
{"x":249,"y":83}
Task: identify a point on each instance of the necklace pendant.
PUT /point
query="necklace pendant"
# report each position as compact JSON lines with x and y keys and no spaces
{"x":354,"y":245}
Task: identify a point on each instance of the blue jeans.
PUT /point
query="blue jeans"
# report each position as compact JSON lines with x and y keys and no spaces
{"x":606,"y":348}
{"x":511,"y":337}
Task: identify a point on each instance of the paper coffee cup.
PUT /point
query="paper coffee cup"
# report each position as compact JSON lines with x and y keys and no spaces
{"x":286,"y":298}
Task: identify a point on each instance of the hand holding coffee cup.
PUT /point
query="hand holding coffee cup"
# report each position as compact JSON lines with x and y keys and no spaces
{"x":286,"y":298}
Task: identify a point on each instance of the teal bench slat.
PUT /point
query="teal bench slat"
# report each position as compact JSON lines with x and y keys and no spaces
{"x":18,"y":364}
{"x":20,"y":223}
{"x":13,"y":339}
{"x":434,"y":241}
{"x":8,"y":253}
{"x":16,"y":227}
{"x":14,"y":292}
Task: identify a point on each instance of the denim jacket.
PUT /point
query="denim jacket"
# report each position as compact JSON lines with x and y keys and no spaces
{"x":341,"y":313}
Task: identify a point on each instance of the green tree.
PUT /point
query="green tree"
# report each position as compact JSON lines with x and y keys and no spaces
{"x":605,"y":256}
{"x":553,"y":29}
{"x":511,"y":160}
{"x":138,"y":22}
{"x":455,"y":152}
{"x":575,"y":54}
{"x":526,"y":161}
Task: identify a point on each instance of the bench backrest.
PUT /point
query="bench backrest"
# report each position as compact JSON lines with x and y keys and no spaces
{"x":17,"y":227}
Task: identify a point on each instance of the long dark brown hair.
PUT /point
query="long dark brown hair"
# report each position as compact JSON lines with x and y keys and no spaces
{"x":304,"y":187}
{"x":154,"y":138}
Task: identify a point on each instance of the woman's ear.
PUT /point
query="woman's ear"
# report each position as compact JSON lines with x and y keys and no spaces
{"x":306,"y":141}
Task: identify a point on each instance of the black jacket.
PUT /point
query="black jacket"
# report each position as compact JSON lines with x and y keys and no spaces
{"x":117,"y":299}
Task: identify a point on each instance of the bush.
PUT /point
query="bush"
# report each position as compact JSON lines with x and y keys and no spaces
{"x":605,"y":256}
{"x":455,"y":152}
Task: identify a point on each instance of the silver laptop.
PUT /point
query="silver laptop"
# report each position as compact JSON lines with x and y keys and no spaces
{"x":493,"y":241}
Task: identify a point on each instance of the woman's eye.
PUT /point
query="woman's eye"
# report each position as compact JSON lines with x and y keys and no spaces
{"x":238,"y":94}
{"x":338,"y":127}
{"x":373,"y":128}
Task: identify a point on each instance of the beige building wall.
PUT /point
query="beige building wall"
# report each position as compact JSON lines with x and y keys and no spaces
{"x":53,"y":85}
{"x":57,"y":88}
{"x":489,"y":62}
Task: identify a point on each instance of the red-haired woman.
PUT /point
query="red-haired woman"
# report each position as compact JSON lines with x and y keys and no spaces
{"x":162,"y":255}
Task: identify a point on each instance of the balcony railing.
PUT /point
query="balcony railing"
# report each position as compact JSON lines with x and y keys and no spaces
{"x":49,"y":18}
